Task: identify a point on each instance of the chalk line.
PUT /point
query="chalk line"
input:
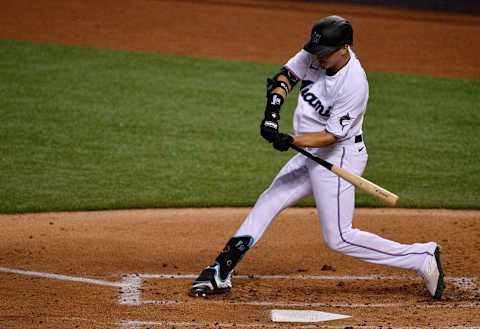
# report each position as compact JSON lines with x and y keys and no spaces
{"x":130,"y":284}
{"x":134,"y":324}
{"x":61,"y":277}
{"x":315,"y":304}
{"x":132,"y":280}
{"x":130,"y":293}
{"x":279,"y":277}
{"x":465,"y":281}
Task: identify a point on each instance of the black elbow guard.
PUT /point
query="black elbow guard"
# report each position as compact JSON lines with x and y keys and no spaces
{"x":292,"y":79}
{"x":274,"y":82}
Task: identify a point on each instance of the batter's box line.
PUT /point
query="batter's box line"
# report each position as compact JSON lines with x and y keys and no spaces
{"x":131,"y":293}
{"x":130,"y":285}
{"x":137,"y":324}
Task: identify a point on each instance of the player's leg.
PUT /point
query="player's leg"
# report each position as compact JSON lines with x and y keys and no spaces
{"x":335,"y":199}
{"x":290,"y":185}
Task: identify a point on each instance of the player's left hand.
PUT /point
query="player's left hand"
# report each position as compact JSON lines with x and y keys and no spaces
{"x":282,"y":142}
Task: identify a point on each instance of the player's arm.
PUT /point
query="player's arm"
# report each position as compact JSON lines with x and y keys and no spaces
{"x":278,"y":88}
{"x":320,"y":139}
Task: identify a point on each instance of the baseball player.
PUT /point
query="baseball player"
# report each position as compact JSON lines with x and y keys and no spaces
{"x":328,"y":122}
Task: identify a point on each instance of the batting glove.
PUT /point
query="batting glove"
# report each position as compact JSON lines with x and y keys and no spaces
{"x":282,"y":142}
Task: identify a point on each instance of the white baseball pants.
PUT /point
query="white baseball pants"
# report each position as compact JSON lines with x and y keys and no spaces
{"x":335,"y":203}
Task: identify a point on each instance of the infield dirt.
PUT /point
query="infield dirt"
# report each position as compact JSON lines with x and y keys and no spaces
{"x":113,"y":246}
{"x":143,"y":244}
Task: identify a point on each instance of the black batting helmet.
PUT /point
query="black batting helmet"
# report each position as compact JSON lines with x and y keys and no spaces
{"x":329,"y":34}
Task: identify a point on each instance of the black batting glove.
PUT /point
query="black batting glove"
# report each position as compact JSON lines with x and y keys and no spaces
{"x":282,"y":142}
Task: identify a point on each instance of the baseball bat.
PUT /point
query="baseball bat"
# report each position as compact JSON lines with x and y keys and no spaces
{"x":364,"y":184}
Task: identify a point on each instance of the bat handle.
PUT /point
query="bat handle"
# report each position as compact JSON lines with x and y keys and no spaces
{"x":309,"y":155}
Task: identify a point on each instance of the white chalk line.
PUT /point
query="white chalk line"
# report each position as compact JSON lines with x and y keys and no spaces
{"x":129,"y":285}
{"x":281,"y":277}
{"x":313,"y":304}
{"x":134,"y":324}
{"x":463,"y":283}
{"x":468,"y":282}
{"x":130,"y":293}
{"x":134,"y":279}
{"x":61,"y":277}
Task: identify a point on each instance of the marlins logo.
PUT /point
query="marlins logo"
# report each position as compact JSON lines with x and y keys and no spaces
{"x":311,"y":99}
{"x":345,"y":120}
{"x":316,"y":37}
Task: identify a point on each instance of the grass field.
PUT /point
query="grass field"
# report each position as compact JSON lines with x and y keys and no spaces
{"x":98,"y":129}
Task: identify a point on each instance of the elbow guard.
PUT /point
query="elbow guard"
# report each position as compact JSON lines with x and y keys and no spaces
{"x":292,"y":79}
{"x":274,"y":82}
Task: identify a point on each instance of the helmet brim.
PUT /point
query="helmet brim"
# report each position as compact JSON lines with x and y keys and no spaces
{"x":319,"y":50}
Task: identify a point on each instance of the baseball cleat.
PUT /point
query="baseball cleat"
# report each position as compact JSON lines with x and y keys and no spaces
{"x":210,"y":283}
{"x":432,"y":274}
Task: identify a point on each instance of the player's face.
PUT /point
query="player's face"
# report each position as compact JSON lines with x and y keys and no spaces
{"x":332,"y":60}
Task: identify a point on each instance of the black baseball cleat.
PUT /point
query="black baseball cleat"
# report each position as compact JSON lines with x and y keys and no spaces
{"x":210,"y":283}
{"x":433,"y":275}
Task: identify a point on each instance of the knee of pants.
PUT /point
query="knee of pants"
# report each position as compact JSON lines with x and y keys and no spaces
{"x":340,"y":240}
{"x":335,"y":242}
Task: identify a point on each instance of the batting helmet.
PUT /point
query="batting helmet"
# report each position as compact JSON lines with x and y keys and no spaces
{"x":329,"y":34}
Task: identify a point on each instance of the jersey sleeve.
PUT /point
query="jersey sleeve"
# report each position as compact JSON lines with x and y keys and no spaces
{"x":299,"y":64}
{"x":347,"y":112}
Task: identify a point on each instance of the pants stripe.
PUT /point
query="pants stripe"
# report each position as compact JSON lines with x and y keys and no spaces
{"x":357,"y":245}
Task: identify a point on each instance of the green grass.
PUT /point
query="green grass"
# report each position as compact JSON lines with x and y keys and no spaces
{"x":98,"y":129}
{"x":423,"y":140}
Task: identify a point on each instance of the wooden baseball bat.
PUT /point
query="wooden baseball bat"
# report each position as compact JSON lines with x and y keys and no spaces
{"x":364,"y":184}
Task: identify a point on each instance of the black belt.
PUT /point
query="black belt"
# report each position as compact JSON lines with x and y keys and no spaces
{"x":358,"y":139}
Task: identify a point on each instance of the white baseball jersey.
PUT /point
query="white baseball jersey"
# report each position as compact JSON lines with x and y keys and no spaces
{"x":333,"y":103}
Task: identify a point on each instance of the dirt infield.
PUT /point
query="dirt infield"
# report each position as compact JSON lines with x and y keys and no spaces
{"x":132,"y":269}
